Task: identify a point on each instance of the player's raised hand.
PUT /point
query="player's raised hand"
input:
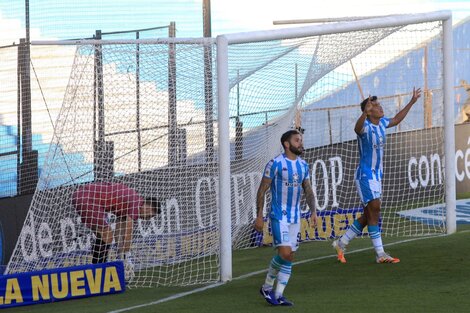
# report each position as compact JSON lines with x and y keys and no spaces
{"x":368,"y":107}
{"x":416,"y":95}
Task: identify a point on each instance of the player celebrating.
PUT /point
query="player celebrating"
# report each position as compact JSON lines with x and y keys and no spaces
{"x":370,"y":130}
{"x":93,"y":201}
{"x":285,"y":175}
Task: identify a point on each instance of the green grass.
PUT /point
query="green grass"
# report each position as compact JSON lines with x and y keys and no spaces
{"x":463,"y":195}
{"x":434,"y":276}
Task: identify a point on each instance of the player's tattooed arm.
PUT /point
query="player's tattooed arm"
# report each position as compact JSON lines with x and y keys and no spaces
{"x":263,"y":187}
{"x":310,"y":197}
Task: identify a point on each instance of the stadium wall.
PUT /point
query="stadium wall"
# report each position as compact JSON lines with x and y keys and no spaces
{"x":12,"y":215}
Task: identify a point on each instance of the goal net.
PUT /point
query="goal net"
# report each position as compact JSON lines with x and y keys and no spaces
{"x":145,"y":115}
{"x":134,"y":118}
{"x":324,"y":78}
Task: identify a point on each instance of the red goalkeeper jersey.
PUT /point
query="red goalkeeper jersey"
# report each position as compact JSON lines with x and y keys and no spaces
{"x":93,"y":202}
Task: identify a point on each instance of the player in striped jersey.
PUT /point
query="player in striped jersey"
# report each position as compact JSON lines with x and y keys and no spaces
{"x":286,"y":175}
{"x":370,"y":130}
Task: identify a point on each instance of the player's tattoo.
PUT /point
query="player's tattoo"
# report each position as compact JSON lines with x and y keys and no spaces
{"x":309,"y":196}
{"x":264,"y":186}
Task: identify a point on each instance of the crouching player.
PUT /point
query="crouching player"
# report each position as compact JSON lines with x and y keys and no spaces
{"x":94,"y":201}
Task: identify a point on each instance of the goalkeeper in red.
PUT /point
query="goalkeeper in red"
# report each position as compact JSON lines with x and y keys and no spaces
{"x":370,"y":129}
{"x":94,"y":201}
{"x":286,"y":175}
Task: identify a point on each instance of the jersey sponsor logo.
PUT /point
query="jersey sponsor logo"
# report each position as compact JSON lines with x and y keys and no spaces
{"x":295,"y":177}
{"x":295,"y":181}
{"x":380,"y":144}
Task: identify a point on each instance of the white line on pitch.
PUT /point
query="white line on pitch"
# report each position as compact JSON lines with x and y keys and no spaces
{"x":187,"y":293}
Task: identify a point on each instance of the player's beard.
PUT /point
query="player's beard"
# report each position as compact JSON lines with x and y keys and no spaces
{"x":296,"y":151}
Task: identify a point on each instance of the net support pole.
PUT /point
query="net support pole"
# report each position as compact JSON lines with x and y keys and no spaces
{"x":137,"y":104}
{"x":225,"y":228}
{"x":172,"y":107}
{"x":449,"y":130}
{"x":208,"y":94}
{"x":28,"y":170}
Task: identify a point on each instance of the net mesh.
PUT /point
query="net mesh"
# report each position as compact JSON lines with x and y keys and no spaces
{"x":145,"y":115}
{"x":114,"y":127}
{"x":325,"y":78}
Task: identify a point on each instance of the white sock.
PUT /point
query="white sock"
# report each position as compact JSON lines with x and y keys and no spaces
{"x":352,"y":232}
{"x":270,"y":278}
{"x":273,"y":270}
{"x":374,"y":234}
{"x":283,"y":278}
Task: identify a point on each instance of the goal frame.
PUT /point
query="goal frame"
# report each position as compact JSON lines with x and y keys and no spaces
{"x":223,"y":90}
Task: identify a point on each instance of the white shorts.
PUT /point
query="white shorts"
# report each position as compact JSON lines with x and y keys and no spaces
{"x":368,"y":190}
{"x":285,"y":234}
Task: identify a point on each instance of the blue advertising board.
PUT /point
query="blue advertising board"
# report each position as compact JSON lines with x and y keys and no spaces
{"x":61,"y":284}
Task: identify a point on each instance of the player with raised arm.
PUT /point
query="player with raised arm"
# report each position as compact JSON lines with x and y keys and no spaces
{"x":94,"y":201}
{"x":286,"y":175}
{"x":371,"y":137}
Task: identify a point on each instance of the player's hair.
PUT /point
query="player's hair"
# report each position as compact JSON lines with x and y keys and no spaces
{"x":364,"y":102}
{"x":155,"y":203}
{"x":286,"y":136}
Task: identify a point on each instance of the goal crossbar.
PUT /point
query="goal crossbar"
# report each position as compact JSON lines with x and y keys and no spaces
{"x":349,"y":26}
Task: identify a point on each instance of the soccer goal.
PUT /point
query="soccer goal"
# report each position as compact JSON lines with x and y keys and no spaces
{"x":192,"y":122}
{"x":323,"y":72}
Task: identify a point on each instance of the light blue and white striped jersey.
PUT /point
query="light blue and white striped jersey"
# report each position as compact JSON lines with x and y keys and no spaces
{"x":286,"y":187}
{"x":371,"y":150}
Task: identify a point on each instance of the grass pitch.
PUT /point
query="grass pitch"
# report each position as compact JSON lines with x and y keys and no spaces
{"x":433,"y":276}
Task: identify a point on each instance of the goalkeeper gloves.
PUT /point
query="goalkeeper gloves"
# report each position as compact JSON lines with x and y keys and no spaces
{"x":129,"y":273}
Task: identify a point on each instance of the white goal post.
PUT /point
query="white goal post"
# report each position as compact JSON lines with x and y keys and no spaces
{"x":224,"y":41}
